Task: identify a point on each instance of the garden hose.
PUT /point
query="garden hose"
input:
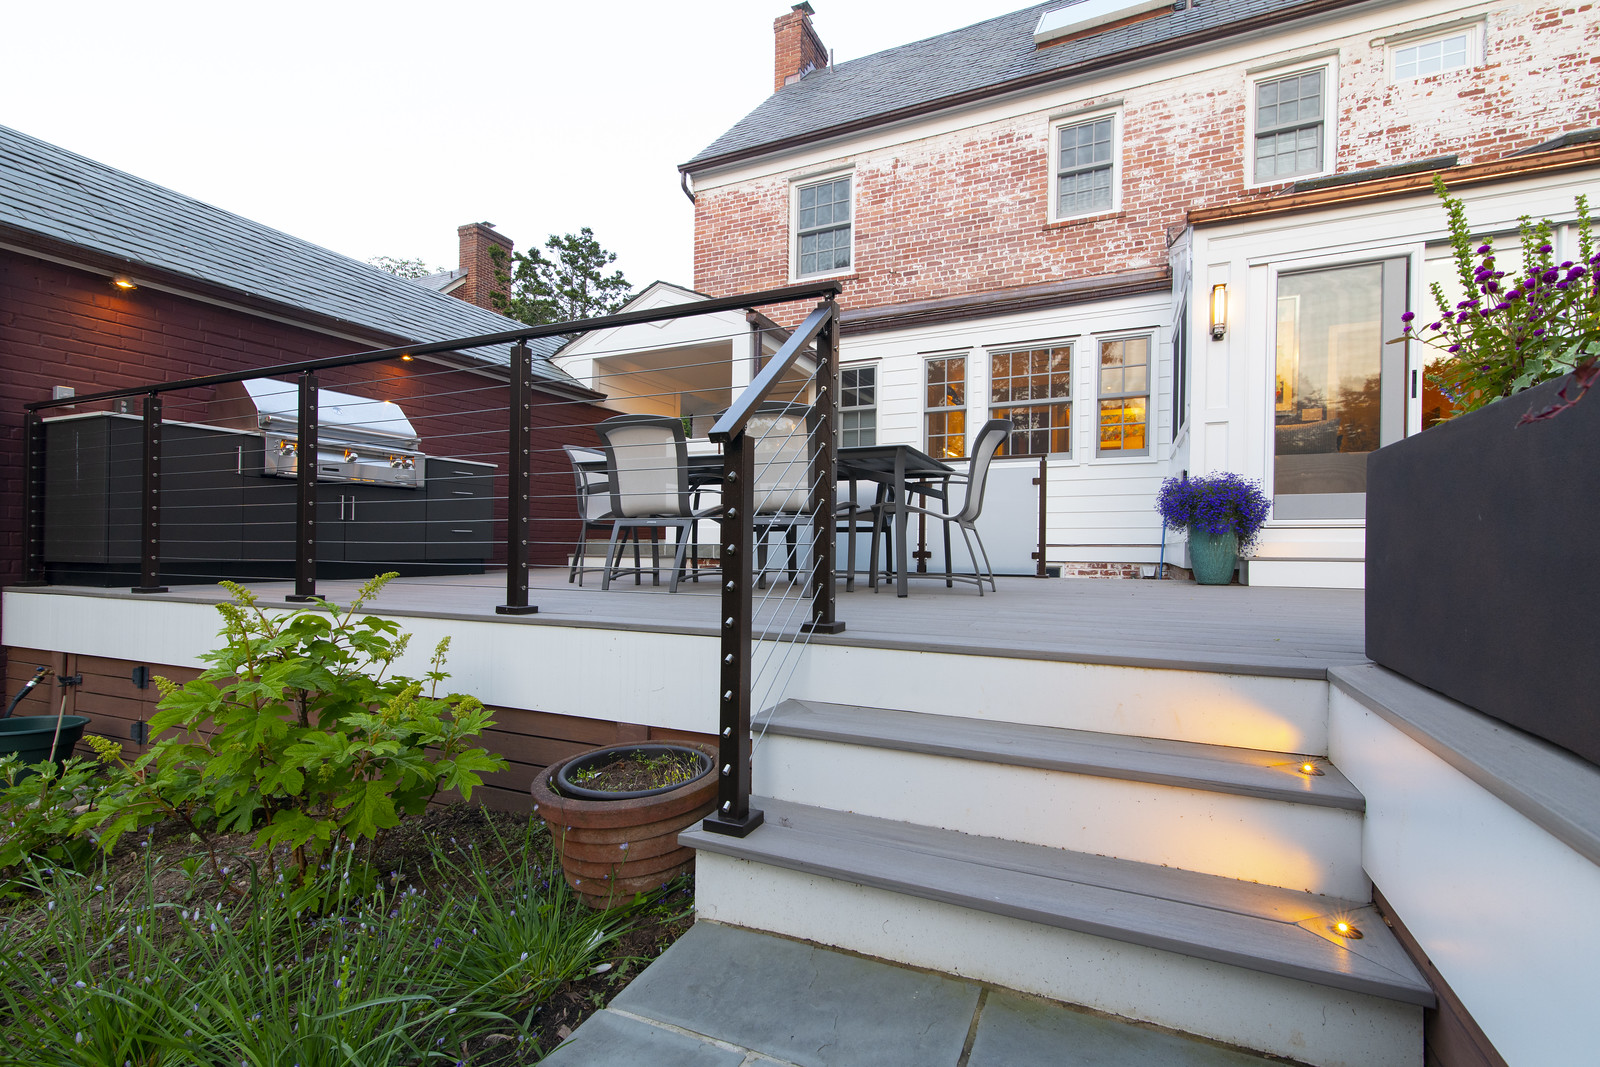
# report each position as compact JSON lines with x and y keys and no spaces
{"x":38,"y":676}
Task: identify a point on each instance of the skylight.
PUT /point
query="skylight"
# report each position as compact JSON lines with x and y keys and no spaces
{"x":1088,"y":14}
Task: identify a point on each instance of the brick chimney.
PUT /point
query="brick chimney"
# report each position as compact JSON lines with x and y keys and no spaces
{"x":476,"y":240}
{"x":797,"y":46}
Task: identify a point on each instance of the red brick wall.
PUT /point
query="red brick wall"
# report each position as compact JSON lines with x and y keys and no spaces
{"x":968,"y":211}
{"x":60,"y":326}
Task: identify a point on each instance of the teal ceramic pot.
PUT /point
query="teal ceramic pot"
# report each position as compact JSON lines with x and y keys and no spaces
{"x":1213,"y":556}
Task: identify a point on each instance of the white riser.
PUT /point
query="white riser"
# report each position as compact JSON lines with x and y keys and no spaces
{"x":1281,"y":1016}
{"x":1309,"y":573}
{"x":1243,"y":711}
{"x":1296,"y":846}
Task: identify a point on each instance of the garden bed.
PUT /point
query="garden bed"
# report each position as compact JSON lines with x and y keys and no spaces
{"x":429,"y":873}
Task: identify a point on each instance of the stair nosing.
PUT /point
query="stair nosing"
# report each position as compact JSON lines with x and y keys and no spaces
{"x":1180,"y":764}
{"x":1079,"y":899}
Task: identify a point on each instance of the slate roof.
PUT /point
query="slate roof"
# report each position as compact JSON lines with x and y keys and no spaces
{"x":57,"y":194}
{"x":985,"y":58}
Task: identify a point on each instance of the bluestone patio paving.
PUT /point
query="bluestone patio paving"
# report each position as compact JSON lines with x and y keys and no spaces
{"x":726,"y":996}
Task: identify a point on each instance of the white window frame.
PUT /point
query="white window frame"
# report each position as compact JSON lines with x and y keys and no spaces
{"x":1151,"y":353}
{"x":1066,"y":403}
{"x":1472,"y":31}
{"x":965,"y":357}
{"x":1329,"y":66}
{"x":877,"y":392}
{"x":1060,"y":124}
{"x":807,"y":182}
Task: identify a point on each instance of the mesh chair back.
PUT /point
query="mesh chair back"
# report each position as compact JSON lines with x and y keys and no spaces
{"x":988,"y":440}
{"x":783,"y":461}
{"x":589,"y":477}
{"x":648,"y":463}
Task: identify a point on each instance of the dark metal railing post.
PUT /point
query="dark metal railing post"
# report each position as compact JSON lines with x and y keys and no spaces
{"x":519,"y":475}
{"x":32,"y":499}
{"x":820,"y":430}
{"x":150,"y":501}
{"x":305,"y":493}
{"x":1043,"y":483}
{"x":734,"y":815}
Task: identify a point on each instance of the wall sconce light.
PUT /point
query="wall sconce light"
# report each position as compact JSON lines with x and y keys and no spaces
{"x":1347,"y":929}
{"x":123,"y":282}
{"x":1219,"y":312}
{"x":407,"y":358}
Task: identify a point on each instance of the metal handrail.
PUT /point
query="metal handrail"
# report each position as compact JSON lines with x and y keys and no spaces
{"x":740,"y":302}
{"x":732,"y":421}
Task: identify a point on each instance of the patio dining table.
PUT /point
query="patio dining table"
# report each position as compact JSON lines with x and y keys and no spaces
{"x":899,"y":469}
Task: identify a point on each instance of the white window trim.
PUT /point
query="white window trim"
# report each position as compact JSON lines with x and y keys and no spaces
{"x":1054,"y":162}
{"x":1152,"y":338}
{"x":1070,"y":401}
{"x":1330,"y":127}
{"x":876,"y":366}
{"x":965,"y":407}
{"x":1473,"y":31}
{"x":795,"y":185}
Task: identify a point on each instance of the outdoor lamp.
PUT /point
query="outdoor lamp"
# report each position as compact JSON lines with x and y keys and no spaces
{"x":1219,"y":311}
{"x":122,"y":281}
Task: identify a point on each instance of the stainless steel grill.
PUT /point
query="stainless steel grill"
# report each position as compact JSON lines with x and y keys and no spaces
{"x":358,"y":440}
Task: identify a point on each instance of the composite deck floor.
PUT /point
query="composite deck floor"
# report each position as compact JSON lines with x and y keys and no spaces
{"x":1293,"y":632}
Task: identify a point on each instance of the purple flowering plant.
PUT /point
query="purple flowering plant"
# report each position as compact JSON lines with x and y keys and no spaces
{"x":1217,"y":503}
{"x":1514,"y":329}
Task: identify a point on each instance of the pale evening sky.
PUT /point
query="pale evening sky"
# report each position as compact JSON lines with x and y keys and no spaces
{"x":378,"y":128}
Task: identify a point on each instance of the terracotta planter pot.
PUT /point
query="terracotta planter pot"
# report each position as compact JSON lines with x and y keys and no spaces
{"x":612,"y":849}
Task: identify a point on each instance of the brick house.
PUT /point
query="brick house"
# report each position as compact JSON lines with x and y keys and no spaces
{"x":1034,"y":215}
{"x":109,"y":281}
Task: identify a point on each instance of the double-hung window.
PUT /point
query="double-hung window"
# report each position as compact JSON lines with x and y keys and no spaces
{"x":822,"y":227}
{"x":1124,"y":396}
{"x":1032,"y":389}
{"x":945,"y":407}
{"x":1291,"y":125}
{"x":1085,"y":174}
{"x":858,"y":406}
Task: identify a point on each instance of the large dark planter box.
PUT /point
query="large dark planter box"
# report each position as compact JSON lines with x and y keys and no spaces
{"x":1482,"y":577}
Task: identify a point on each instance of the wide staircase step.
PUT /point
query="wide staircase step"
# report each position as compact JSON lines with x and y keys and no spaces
{"x":1240,"y":813}
{"x":1261,"y":928}
{"x":1215,"y":768}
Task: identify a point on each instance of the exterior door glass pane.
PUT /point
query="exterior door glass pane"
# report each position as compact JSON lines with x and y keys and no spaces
{"x":1327,"y":403}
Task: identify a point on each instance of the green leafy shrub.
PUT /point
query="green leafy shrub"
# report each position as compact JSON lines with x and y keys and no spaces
{"x":38,"y":811}
{"x":1514,"y":329}
{"x":299,"y":732}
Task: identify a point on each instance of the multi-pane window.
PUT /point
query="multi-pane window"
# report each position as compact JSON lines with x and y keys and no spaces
{"x":1430,"y":57}
{"x":1085,"y":168}
{"x":858,"y":406}
{"x":1124,"y":395}
{"x":1289,"y":126}
{"x":1180,"y":371}
{"x":822,"y":227}
{"x":945,"y":407}
{"x":1032,"y":389}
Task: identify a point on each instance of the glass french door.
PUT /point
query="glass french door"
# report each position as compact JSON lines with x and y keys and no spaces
{"x":1339,"y":391}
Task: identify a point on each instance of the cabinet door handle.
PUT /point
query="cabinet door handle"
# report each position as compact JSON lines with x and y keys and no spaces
{"x":463,"y":492}
{"x":461,"y":531}
{"x":352,"y":509}
{"x":239,"y":460}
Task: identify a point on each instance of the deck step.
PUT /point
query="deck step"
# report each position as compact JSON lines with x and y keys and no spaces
{"x":1260,"y":928}
{"x":1238,"y":813}
{"x":1186,"y":764}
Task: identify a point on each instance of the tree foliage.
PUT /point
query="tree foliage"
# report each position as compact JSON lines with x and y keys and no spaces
{"x":569,"y":283}
{"x":402,"y":268}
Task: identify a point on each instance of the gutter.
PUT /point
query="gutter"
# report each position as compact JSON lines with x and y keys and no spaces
{"x":1208,"y":35}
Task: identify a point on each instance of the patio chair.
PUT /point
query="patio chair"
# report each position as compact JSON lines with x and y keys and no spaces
{"x":854,"y":504}
{"x":989,"y":439}
{"x":783,"y":479}
{"x":647,"y":464}
{"x":594,"y":505}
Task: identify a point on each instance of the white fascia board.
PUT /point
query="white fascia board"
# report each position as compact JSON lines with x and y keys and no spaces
{"x":1065,"y":21}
